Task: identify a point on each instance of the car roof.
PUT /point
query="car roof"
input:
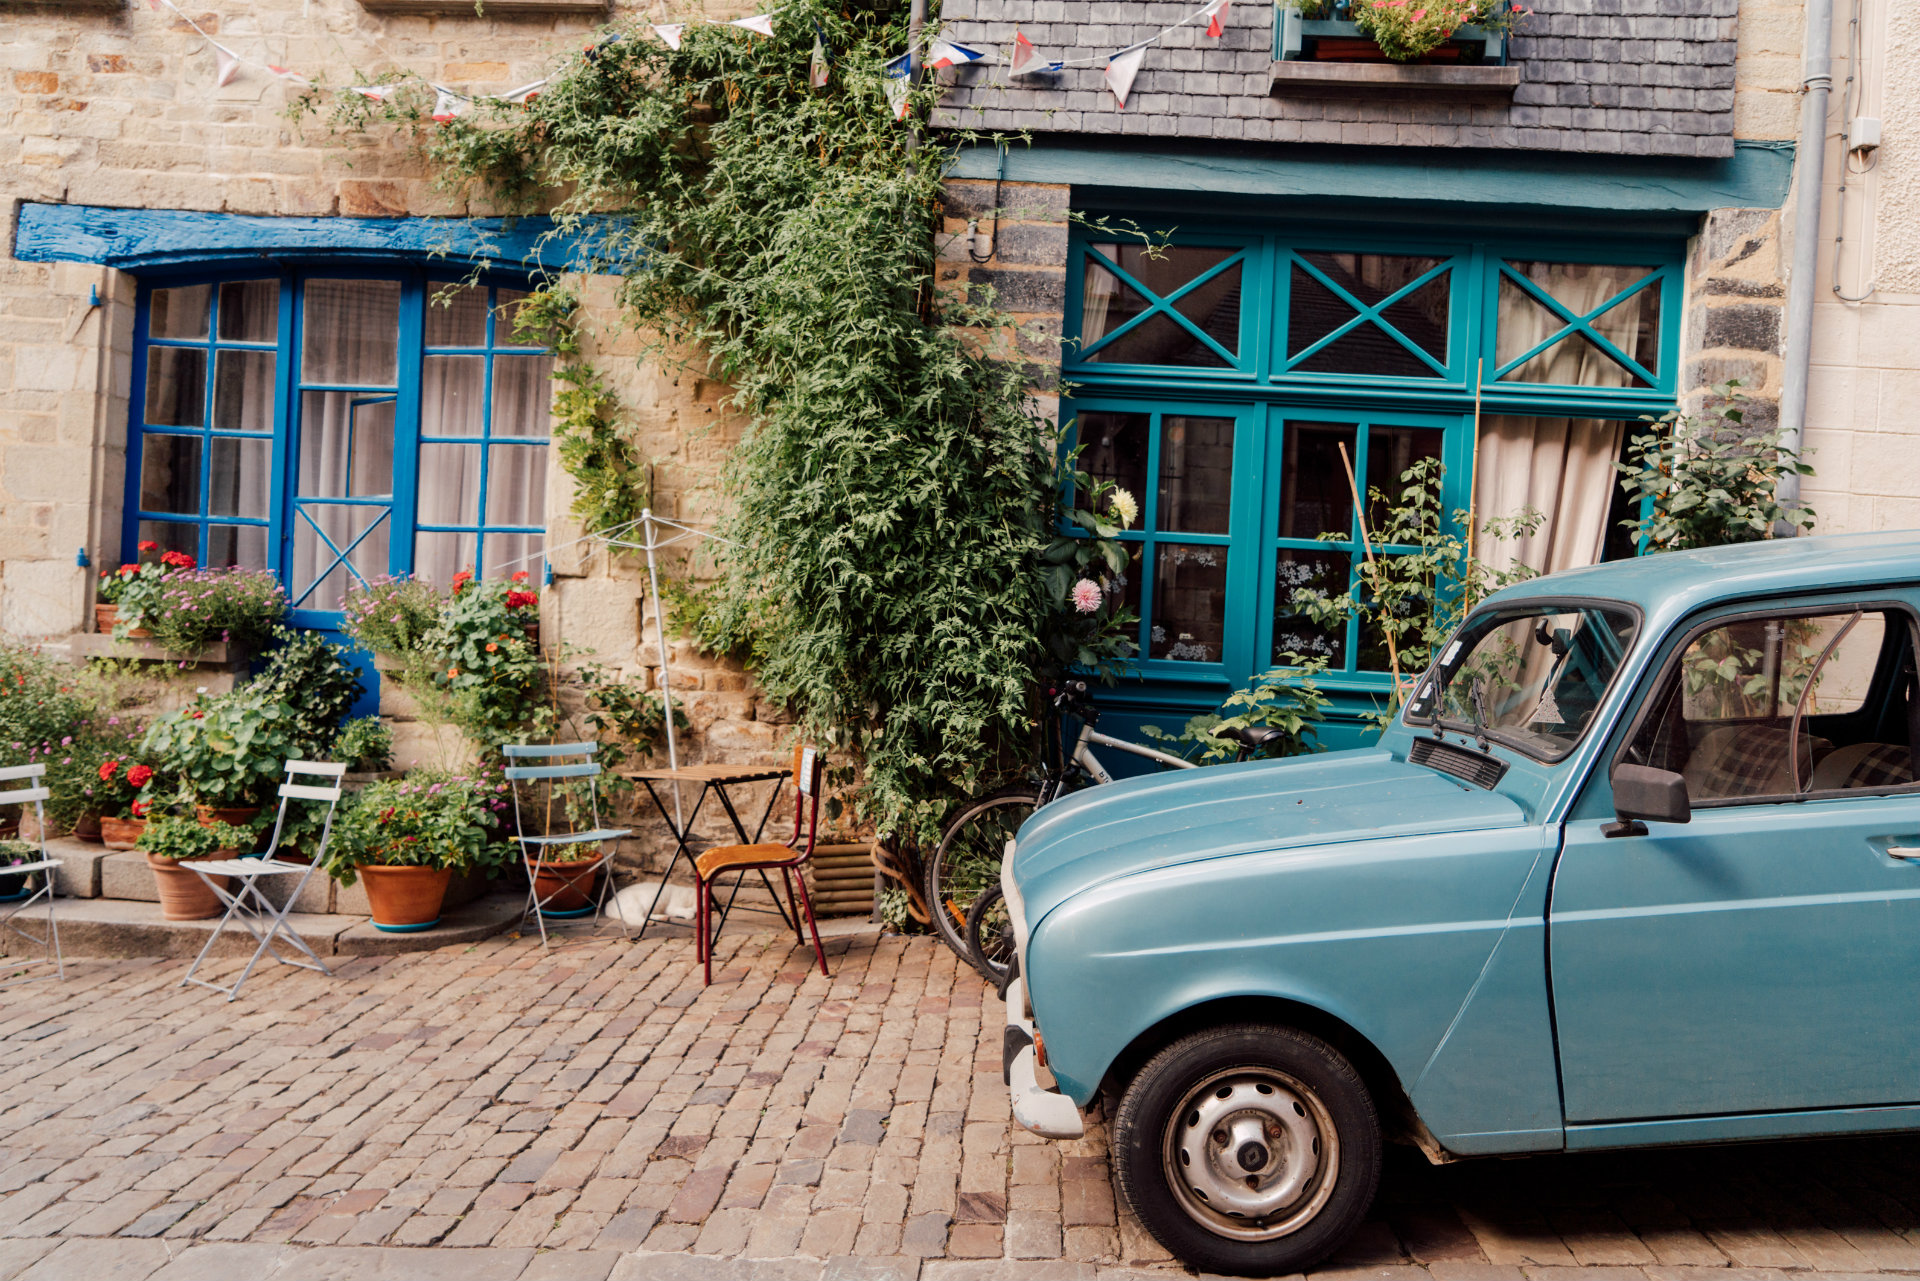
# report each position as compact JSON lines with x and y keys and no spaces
{"x":1669,"y":585}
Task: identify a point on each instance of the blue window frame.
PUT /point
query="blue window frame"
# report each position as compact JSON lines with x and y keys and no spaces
{"x":337,"y":424}
{"x":1261,"y":351}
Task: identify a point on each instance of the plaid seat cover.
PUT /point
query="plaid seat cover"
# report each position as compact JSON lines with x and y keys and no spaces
{"x":1733,"y":762}
{"x":1884,"y":766}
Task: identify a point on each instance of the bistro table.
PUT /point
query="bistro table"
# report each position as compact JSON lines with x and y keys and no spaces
{"x":714,"y":780}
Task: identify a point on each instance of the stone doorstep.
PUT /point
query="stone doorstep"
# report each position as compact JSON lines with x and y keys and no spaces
{"x":106,"y":927}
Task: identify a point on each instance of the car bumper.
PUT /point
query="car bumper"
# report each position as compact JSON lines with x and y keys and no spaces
{"x":1047,"y":1113}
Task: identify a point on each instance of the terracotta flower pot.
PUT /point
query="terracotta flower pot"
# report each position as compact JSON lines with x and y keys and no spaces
{"x":183,"y":895}
{"x":87,"y":828}
{"x":564,"y":887}
{"x":121,"y":833}
{"x":105,"y":617}
{"x":404,"y":899}
{"x":238,"y":815}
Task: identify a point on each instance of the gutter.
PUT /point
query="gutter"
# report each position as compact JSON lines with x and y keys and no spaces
{"x":1804,"y":265}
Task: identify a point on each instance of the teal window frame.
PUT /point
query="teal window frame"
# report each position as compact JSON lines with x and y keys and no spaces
{"x":1265,"y":389}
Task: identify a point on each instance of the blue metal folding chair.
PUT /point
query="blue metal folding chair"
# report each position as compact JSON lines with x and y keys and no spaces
{"x":42,"y":867}
{"x":577,"y":876}
{"x":248,"y":905}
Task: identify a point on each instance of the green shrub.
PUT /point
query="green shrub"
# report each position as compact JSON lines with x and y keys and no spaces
{"x":226,"y":750}
{"x":427,"y":820}
{"x":1288,"y":699}
{"x":309,"y":674}
{"x":365,"y":745}
{"x":391,"y":616}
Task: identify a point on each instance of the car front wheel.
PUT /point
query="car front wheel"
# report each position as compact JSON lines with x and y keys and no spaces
{"x":1248,"y":1149}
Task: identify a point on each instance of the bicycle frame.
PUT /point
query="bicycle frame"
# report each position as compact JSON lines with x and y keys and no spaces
{"x":1083,"y":754}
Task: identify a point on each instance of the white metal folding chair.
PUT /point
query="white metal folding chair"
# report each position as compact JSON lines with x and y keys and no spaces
{"x":43,"y":866}
{"x":534,"y":849}
{"x":249,"y":906}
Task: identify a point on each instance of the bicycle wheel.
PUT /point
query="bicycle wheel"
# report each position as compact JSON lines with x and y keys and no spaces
{"x":990,"y":935}
{"x":967,"y":860}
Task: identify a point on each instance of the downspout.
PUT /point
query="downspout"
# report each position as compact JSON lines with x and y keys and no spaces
{"x":1810,"y":159}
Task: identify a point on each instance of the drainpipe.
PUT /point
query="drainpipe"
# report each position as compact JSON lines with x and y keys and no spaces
{"x":1811,"y":160}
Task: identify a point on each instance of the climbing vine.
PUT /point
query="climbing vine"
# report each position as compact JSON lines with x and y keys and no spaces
{"x":896,"y":486}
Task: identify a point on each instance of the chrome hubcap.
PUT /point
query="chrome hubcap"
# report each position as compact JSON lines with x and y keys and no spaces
{"x":1251,"y":1154}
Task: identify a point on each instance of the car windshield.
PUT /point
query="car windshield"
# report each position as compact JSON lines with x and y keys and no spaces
{"x":1531,"y":676}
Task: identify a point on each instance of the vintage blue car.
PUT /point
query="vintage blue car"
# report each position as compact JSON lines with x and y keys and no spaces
{"x":1638,"y":864}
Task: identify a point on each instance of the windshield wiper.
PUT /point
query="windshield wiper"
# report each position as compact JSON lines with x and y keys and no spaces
{"x":1479,"y":716}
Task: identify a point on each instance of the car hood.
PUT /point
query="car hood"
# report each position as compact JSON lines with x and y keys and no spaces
{"x":1102,"y":833}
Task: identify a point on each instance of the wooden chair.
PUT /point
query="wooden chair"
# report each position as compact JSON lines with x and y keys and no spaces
{"x":787,"y":859}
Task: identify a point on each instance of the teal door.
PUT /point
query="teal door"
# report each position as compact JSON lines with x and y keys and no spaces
{"x":1765,"y":956}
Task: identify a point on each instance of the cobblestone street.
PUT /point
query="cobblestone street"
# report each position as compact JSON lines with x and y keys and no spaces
{"x":597,"y":1114}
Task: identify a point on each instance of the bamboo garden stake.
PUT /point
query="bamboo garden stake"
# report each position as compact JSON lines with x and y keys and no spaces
{"x":1373,"y":568}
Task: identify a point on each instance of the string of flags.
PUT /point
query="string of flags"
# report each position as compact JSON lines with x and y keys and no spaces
{"x":1121,"y":66}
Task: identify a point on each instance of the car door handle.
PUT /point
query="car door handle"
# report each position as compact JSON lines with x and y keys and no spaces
{"x":1909,"y":852}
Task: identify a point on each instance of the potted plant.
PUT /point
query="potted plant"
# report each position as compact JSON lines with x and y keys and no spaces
{"x":365,"y":745}
{"x":111,"y":589}
{"x":406,"y":839}
{"x":122,"y":800}
{"x":390,"y":617}
{"x":137,"y":599}
{"x":229,"y":752}
{"x":15,"y":886}
{"x":188,"y":609}
{"x":1396,"y":30}
{"x":168,"y":840}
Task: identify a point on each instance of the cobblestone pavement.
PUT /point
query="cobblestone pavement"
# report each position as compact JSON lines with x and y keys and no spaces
{"x":597,"y":1114}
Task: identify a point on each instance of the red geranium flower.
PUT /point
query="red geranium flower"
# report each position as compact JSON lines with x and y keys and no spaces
{"x":520,"y":577}
{"x":461,"y":579}
{"x":106,"y":771}
{"x":520,"y":600}
{"x":177,"y":560}
{"x":139,"y":775}
{"x":139,"y":809}
{"x":149,"y":546}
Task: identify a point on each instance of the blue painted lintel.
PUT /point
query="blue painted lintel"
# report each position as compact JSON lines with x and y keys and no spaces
{"x":1755,"y":176}
{"x":133,"y":239}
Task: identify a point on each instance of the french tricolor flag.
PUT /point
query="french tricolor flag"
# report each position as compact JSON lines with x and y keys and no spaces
{"x":946,"y":54}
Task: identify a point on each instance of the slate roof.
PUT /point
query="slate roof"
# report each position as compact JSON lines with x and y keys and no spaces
{"x":1640,"y":77}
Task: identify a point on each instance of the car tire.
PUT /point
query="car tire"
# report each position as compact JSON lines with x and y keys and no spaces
{"x":1274,"y":1141}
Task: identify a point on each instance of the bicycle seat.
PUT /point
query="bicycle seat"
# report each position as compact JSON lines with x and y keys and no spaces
{"x":1249,"y":737}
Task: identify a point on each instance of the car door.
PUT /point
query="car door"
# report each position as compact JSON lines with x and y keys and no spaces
{"x":1764,"y":956}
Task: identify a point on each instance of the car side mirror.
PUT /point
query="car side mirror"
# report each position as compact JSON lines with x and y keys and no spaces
{"x":1641,"y":795}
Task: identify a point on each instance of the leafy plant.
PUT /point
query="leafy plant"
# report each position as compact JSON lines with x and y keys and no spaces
{"x":124,"y":788}
{"x":175,"y":837}
{"x":365,"y":744}
{"x":1416,"y":597}
{"x":1707,"y":480}
{"x":1288,"y":699}
{"x":226,"y":750}
{"x":189,"y":609}
{"x":311,"y":676}
{"x":426,"y":820}
{"x":1088,"y":625}
{"x":65,"y":718}
{"x":1407,"y":30}
{"x":483,"y":662}
{"x":391,"y":616}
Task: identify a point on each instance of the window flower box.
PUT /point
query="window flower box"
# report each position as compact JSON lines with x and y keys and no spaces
{"x":1298,"y":39}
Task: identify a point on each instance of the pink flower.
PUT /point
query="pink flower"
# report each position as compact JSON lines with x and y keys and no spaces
{"x":1086,"y":596}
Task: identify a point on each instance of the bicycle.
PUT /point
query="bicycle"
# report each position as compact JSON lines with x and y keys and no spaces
{"x":966,"y":862}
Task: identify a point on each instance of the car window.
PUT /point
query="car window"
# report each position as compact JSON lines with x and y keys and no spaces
{"x":1531,"y":676}
{"x":1768,"y":707}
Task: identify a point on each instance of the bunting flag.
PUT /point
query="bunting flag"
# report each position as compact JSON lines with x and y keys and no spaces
{"x":286,"y":73}
{"x":897,"y":68}
{"x":1025,"y":57}
{"x":817,"y":70}
{"x":1121,"y":69}
{"x":226,"y":66}
{"x":1217,"y":17}
{"x":946,"y":54}
{"x":669,"y":33}
{"x":760,"y":24}
{"x":525,"y":93}
{"x":379,"y":93}
{"x":447,"y":105}
{"x":899,"y":80}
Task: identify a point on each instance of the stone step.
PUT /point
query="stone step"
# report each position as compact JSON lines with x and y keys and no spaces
{"x":103,"y":927}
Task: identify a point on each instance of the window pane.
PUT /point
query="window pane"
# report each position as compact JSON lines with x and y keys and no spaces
{"x":1390,"y":452}
{"x":1633,"y":325}
{"x":522,"y":395}
{"x":1374,"y":656}
{"x":243,"y":545}
{"x":449,"y":485}
{"x":238,"y":485}
{"x":312,"y":556}
{"x":516,"y":484}
{"x":1321,"y":575}
{"x":1189,"y":603}
{"x":346,"y":444}
{"x":1215,"y":308}
{"x":171,"y":536}
{"x":438,"y":556}
{"x":1314,"y":311}
{"x":1161,"y":272}
{"x":170,"y":474}
{"x":352,"y":332}
{"x":249,"y":310}
{"x":1315,"y":498}
{"x":179,"y":313}
{"x":1113,"y":447}
{"x":243,"y":390}
{"x":1106,"y":303}
{"x":1196,"y":474}
{"x":505,"y":312}
{"x":1160,"y":340}
{"x":453,"y":392}
{"x":456,"y":317}
{"x":508,"y":554}
{"x":176,"y":386}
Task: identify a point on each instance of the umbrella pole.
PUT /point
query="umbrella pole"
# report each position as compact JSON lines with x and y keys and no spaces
{"x":666,"y":672}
